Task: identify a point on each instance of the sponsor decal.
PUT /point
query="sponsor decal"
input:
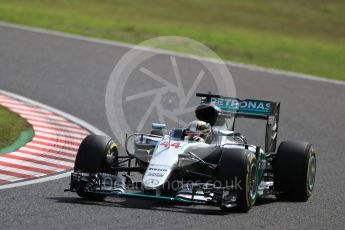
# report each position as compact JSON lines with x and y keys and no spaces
{"x":236,"y":104}
{"x":155,"y":174}
{"x":158,"y":169}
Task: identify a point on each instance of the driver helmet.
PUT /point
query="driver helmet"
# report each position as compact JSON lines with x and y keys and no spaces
{"x":200,"y":128}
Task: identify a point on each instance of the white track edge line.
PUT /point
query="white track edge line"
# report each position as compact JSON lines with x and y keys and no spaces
{"x":130,"y":46}
{"x":70,"y":117}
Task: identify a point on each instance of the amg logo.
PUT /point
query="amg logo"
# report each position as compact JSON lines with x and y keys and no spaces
{"x":157,"y":169}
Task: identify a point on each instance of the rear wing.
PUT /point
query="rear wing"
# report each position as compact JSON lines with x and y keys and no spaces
{"x":230,"y":107}
{"x":249,"y":108}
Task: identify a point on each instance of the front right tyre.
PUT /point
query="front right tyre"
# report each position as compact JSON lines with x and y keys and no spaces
{"x":96,"y":154}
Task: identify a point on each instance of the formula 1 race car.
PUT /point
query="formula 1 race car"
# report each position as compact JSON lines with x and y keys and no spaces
{"x":224,"y":171}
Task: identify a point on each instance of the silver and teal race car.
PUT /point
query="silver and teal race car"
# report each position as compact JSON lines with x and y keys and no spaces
{"x":224,"y":171}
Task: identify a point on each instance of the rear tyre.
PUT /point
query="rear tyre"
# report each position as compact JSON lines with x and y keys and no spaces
{"x":238,"y":168}
{"x":294,"y":171}
{"x":96,"y":154}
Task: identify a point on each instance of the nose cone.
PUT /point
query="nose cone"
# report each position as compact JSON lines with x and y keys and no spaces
{"x":162,"y":163}
{"x":155,"y":176}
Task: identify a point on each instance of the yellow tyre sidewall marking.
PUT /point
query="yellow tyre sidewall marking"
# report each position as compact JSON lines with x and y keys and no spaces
{"x":112,"y":146}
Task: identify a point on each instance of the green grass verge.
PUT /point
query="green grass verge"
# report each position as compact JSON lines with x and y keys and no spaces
{"x":299,"y":35}
{"x":14,"y":131}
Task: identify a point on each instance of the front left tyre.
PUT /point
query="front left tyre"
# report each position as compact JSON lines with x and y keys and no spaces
{"x":238,"y":168}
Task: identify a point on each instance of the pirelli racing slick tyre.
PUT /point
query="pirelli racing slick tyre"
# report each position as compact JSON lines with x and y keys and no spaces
{"x":96,"y":154}
{"x":238,"y":168}
{"x":294,"y":171}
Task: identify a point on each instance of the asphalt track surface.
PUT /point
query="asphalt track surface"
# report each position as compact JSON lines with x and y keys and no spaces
{"x":71,"y":75}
